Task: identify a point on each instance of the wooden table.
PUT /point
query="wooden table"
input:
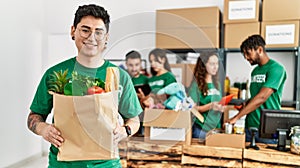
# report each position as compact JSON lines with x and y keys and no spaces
{"x":136,"y":153}
{"x":269,"y":158}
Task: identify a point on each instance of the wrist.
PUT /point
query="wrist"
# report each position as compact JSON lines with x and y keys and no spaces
{"x":128,"y":130}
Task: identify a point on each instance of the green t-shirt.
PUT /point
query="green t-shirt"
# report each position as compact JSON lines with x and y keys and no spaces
{"x":212,"y":119}
{"x":271,"y":75}
{"x":142,"y":79}
{"x":158,"y":82}
{"x":43,"y":103}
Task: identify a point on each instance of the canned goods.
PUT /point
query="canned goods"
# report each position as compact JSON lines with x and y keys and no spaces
{"x":228,"y":128}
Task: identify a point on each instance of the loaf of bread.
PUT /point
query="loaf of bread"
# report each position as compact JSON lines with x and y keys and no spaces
{"x":112,"y":79}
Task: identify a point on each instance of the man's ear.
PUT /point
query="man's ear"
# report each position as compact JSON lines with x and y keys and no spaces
{"x":260,"y":50}
{"x":72,"y":33}
{"x":106,"y":38}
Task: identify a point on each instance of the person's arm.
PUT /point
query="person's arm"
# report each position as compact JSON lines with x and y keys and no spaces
{"x":36,"y":123}
{"x":253,"y":104}
{"x":120,"y":131}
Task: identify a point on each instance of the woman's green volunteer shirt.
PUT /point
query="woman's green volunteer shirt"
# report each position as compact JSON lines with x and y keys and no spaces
{"x":212,"y":119}
{"x":43,"y":103}
{"x":158,"y":82}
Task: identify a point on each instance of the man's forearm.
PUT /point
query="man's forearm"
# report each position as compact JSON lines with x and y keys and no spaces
{"x":33,"y":121}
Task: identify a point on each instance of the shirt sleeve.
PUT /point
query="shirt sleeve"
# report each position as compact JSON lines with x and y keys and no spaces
{"x":129,"y":105}
{"x":194,"y":92}
{"x":275,"y":77}
{"x":42,"y":102}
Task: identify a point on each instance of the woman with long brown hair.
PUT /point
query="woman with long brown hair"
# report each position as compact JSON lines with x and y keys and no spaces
{"x":206,"y":92}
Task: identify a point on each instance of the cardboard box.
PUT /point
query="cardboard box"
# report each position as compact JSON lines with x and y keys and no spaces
{"x":184,"y":73}
{"x":188,"y":17}
{"x":236,"y":33}
{"x":225,"y":140}
{"x":281,"y":33}
{"x":278,"y":10}
{"x":160,"y":124}
{"x":188,"y":28}
{"x":237,"y":11}
{"x":191,"y":37}
{"x":179,"y":71}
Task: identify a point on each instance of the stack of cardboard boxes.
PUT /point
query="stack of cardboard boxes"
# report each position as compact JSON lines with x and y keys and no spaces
{"x":242,"y":19}
{"x":188,"y":28}
{"x":280,"y":23}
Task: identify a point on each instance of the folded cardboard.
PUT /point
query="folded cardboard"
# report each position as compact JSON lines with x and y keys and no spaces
{"x":86,"y":124}
{"x":167,"y":126}
{"x":237,"y":11}
{"x":281,"y":33}
{"x":278,"y":10}
{"x":236,"y":33}
{"x":220,"y":139}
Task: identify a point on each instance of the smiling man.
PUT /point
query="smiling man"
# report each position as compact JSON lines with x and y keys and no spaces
{"x":267,"y":82}
{"x":90,"y":34}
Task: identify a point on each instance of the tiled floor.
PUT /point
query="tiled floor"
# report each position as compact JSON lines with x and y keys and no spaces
{"x":37,"y":162}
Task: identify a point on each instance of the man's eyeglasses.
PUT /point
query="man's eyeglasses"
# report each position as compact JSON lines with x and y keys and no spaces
{"x":98,"y":34}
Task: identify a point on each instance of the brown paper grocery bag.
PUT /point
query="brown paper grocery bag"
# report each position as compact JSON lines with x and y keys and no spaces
{"x":86,"y":124}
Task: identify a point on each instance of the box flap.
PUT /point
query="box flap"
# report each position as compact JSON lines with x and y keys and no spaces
{"x":167,"y":118}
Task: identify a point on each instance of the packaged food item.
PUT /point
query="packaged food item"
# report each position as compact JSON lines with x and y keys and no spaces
{"x":239,"y":127}
{"x":295,"y":139}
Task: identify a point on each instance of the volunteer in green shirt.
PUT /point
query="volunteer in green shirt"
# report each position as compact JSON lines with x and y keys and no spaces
{"x":161,"y":77}
{"x":90,"y":34}
{"x":134,"y":67}
{"x":160,"y":70}
{"x":267,"y":82}
{"x":206,"y":93}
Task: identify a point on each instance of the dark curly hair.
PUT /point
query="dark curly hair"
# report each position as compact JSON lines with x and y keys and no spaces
{"x":253,"y":42}
{"x":200,"y":72}
{"x":161,"y":53}
{"x":92,"y":10}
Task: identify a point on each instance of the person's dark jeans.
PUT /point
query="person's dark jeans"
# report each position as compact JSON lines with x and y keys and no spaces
{"x":197,"y":132}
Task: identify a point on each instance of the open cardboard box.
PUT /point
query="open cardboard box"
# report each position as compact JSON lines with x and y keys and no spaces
{"x":218,"y":138}
{"x":167,"y":126}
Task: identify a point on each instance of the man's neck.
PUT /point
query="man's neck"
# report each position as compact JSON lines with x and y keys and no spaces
{"x":90,"y":62}
{"x":264,"y":60}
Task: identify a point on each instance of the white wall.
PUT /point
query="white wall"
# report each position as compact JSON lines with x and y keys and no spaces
{"x":20,"y":69}
{"x":35,"y":35}
{"x":132,"y":24}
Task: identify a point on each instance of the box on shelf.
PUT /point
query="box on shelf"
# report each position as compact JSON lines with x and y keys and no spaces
{"x":237,"y":11}
{"x":188,"y":17}
{"x":278,"y":10}
{"x":281,"y":33}
{"x":188,"y":28}
{"x":167,"y":126}
{"x":220,"y":139}
{"x":236,"y":33}
{"x":184,"y":73}
{"x":191,"y":37}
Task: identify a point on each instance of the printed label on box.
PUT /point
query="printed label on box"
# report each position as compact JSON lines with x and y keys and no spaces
{"x":241,"y":10}
{"x":280,"y":34}
{"x":162,"y":133}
